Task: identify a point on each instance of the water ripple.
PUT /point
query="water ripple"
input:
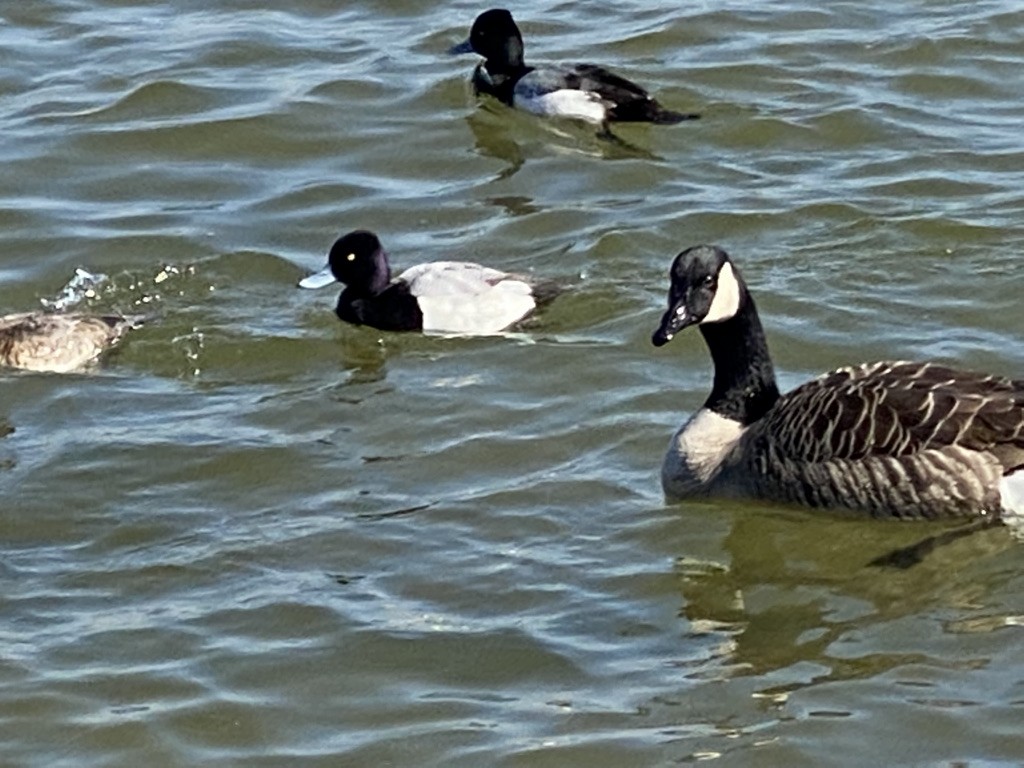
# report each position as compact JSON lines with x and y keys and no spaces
{"x":257,"y":536}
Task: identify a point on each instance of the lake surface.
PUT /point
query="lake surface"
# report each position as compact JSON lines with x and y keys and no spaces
{"x":258,"y":537}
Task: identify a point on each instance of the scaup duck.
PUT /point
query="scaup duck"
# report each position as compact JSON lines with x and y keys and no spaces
{"x":445,"y":297}
{"x":583,"y":91}
{"x":889,"y":439}
{"x":58,"y":342}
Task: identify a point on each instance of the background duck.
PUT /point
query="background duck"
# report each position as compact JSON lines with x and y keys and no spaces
{"x":453,"y":297}
{"x":583,"y":91}
{"x":58,"y":342}
{"x":891,"y":439}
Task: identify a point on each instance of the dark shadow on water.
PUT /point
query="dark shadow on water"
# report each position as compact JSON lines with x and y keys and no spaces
{"x":515,"y":205}
{"x":6,"y":428}
{"x":914,"y":554}
{"x":403,"y":512}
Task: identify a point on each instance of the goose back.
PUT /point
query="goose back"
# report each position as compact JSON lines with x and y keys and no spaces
{"x":892,"y":439}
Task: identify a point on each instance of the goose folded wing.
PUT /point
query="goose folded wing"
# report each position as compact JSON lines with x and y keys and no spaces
{"x":897,"y":409}
{"x":945,"y":407}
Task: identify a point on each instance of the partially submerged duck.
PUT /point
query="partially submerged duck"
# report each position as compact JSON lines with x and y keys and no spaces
{"x":583,"y":91}
{"x":445,"y":297}
{"x":59,"y":342}
{"x":889,"y":439}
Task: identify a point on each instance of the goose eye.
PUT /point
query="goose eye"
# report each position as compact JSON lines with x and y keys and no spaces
{"x":351,"y":257}
{"x":709,"y":281}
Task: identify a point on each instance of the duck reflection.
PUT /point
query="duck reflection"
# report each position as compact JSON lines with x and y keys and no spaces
{"x":363,"y":359}
{"x":493,"y":137}
{"x":492,"y":140}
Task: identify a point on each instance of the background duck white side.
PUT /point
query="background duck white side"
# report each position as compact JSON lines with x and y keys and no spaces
{"x":890,"y":439}
{"x":443,"y":297}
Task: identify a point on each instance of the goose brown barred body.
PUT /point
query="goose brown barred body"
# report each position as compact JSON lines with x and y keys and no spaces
{"x":889,"y":439}
{"x":59,"y":343}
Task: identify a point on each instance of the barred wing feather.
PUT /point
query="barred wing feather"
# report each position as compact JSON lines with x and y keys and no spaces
{"x":893,"y":439}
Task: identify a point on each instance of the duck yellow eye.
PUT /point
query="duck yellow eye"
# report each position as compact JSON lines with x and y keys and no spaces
{"x":351,"y":257}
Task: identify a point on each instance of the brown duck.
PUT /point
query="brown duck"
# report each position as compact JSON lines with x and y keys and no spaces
{"x":57,"y":342}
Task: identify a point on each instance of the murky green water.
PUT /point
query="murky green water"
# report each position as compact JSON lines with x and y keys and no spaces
{"x":257,"y":537}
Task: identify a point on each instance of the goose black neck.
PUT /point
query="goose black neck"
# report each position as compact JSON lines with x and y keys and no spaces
{"x":744,"y":387}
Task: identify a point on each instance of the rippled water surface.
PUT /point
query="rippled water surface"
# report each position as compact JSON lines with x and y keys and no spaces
{"x":257,"y":537}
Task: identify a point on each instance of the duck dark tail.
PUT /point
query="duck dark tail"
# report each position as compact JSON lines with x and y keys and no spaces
{"x":649,"y":111}
{"x":661,"y":116}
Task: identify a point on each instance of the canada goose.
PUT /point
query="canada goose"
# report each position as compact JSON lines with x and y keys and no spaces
{"x":59,"y":343}
{"x":890,"y":439}
{"x":448,"y":297}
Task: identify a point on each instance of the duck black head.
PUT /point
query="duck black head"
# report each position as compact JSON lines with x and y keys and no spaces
{"x":358,"y":260}
{"x":496,"y":37}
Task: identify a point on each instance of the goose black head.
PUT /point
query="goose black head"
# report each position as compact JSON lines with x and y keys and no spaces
{"x":358,"y":260}
{"x":704,"y":287}
{"x":496,"y":37}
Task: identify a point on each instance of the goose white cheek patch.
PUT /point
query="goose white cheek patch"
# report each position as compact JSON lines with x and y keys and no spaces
{"x":727,"y":297}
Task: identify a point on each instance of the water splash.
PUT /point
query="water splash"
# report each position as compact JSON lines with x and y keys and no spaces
{"x":83,"y":285}
{"x":192,"y":344}
{"x":169,"y":277}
